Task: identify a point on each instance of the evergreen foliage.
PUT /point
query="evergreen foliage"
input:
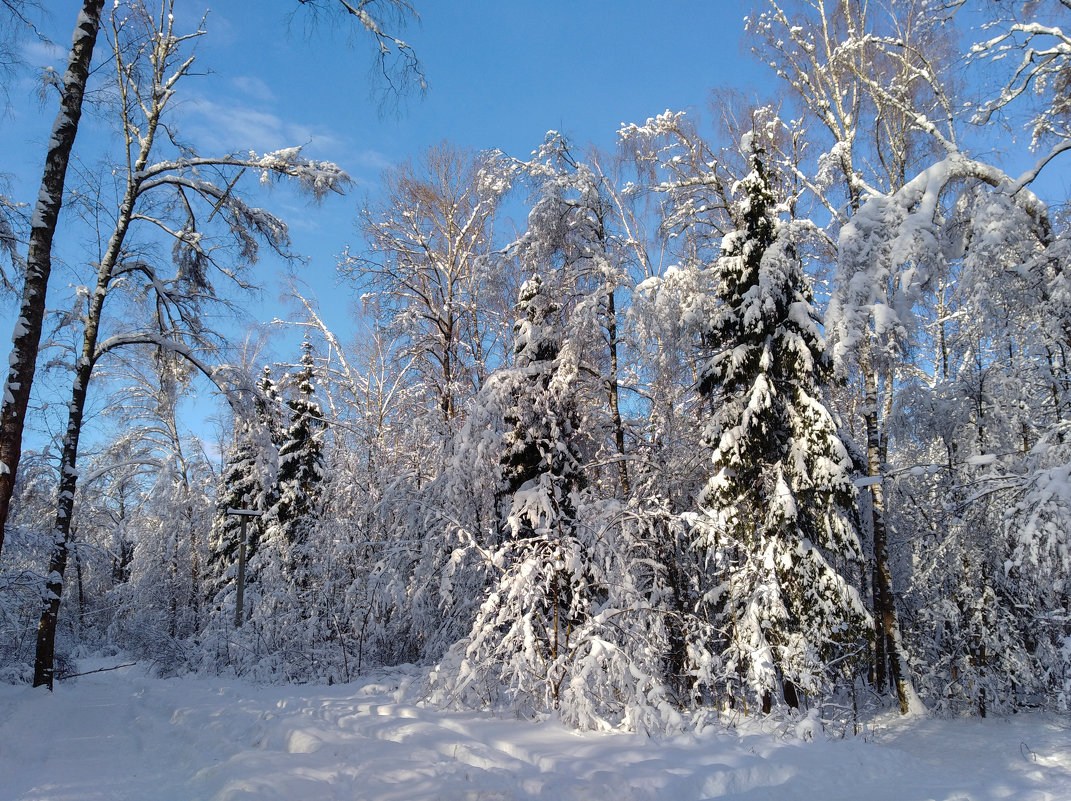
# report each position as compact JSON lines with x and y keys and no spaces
{"x":296,"y":504}
{"x":778,"y":514}
{"x":540,"y":589}
{"x":248,"y":478}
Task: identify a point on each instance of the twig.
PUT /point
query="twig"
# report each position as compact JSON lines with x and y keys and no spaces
{"x":98,"y":670}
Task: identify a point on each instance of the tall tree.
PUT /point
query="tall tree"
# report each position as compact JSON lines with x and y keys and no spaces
{"x":572,"y":225}
{"x":521,"y":641}
{"x":779,"y":517}
{"x":297,"y":499}
{"x":432,"y":283}
{"x":826,"y":53}
{"x":173,"y":313}
{"x":26,"y":338}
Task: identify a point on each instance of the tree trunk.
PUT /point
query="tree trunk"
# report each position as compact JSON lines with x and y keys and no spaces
{"x":44,"y":664}
{"x":889,"y":645}
{"x":27,"y":335}
{"x":613,"y":388}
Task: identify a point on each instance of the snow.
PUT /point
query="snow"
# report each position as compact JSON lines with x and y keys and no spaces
{"x":123,"y":736}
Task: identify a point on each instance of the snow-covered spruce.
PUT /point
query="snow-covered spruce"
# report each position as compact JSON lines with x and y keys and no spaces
{"x":777,"y":517}
{"x":569,"y":621}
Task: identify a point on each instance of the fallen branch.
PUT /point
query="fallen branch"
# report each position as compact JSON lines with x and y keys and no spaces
{"x":98,"y":670}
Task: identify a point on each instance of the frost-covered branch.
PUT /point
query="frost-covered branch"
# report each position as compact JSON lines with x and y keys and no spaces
{"x":1043,"y":70}
{"x":399,"y":67}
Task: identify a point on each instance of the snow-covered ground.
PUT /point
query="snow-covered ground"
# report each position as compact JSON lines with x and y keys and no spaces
{"x":121,"y":736}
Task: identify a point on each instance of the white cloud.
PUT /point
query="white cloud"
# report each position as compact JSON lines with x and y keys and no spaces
{"x":369,"y":160}
{"x":225,"y":126}
{"x":253,"y":87}
{"x":42,"y":54}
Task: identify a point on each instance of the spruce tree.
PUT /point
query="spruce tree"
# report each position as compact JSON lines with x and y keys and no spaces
{"x":296,"y":504}
{"x":778,"y":514}
{"x":540,"y":593}
{"x":247,"y":479}
{"x":541,"y":468}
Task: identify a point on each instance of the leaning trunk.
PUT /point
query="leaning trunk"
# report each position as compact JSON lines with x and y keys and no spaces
{"x":44,"y":664}
{"x":27,"y":336}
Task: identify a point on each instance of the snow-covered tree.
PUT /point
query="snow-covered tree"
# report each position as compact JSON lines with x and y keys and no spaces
{"x":978,"y":435}
{"x":296,"y":504}
{"x":427,"y":274}
{"x":247,"y":480}
{"x":286,"y":622}
{"x":572,"y":225}
{"x":540,"y":591}
{"x":157,"y":595}
{"x":829,"y":56}
{"x":778,"y":516}
{"x":27,"y":336}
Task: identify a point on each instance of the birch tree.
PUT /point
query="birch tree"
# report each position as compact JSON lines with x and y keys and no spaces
{"x":399,"y":68}
{"x":178,"y":197}
{"x":427,"y":272}
{"x":26,"y":338}
{"x":571,"y":226}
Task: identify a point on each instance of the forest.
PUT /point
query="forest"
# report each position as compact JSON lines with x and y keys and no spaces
{"x":761,"y":414}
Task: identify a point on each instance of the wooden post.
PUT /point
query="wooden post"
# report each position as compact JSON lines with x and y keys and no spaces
{"x":241,"y":578}
{"x":239,"y":605}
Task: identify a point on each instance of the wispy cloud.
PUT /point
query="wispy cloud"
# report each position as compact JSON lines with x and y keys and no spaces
{"x":370,"y":161}
{"x":246,"y":116}
{"x":224,"y":125}
{"x":42,"y":54}
{"x":253,"y":87}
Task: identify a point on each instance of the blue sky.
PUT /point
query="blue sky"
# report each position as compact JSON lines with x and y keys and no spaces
{"x":500,"y":72}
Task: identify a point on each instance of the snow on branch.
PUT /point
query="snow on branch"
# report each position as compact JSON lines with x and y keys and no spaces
{"x":889,"y":248}
{"x":396,"y":60}
{"x":217,"y":374}
{"x":1043,"y":69}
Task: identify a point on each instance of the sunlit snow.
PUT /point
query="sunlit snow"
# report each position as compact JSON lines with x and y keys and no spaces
{"x":122,"y":736}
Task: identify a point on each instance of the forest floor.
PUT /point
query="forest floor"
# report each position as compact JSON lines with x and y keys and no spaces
{"x":124,"y":736}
